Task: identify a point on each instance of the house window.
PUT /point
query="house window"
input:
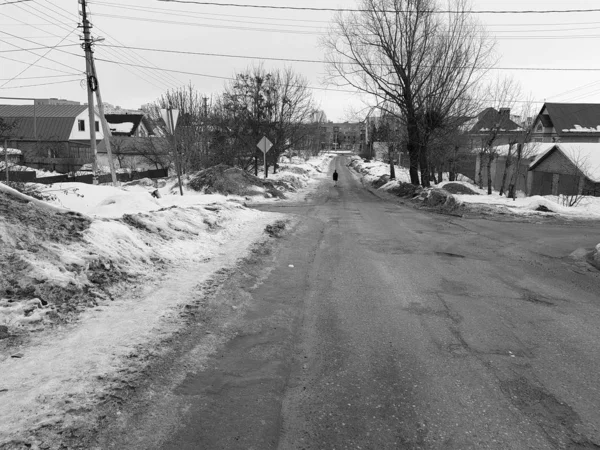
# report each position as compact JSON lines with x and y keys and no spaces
{"x":81,"y":125}
{"x":97,"y":126}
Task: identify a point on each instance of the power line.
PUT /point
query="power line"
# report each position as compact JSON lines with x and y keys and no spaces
{"x":39,"y":66}
{"x":269,"y":58}
{"x":33,"y":42}
{"x":36,"y":48}
{"x":174,"y":22}
{"x":44,"y":76}
{"x":304,"y":8}
{"x":41,"y":84}
{"x":37,"y":60}
{"x":170,"y":11}
{"x":15,"y":1}
{"x":161,"y":78}
{"x":315,"y":32}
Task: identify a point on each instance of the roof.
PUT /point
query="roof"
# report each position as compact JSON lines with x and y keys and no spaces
{"x":530,"y":149}
{"x":574,"y":117}
{"x":585,"y":156}
{"x":488,"y":119}
{"x":46,"y":128}
{"x":124,"y":124}
{"x":71,"y":111}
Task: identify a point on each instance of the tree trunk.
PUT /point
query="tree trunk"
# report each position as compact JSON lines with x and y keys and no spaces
{"x":505,"y":174}
{"x":255,"y":165}
{"x":479,"y":177}
{"x":489,"y":174}
{"x":423,"y":164}
{"x":441,"y":174}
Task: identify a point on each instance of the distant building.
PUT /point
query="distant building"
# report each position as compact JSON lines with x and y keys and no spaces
{"x":342,"y":136}
{"x":567,"y":122}
{"x":54,"y":101}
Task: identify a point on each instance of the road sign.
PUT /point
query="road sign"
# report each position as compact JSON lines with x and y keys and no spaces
{"x":170,"y":119}
{"x":264,"y":145}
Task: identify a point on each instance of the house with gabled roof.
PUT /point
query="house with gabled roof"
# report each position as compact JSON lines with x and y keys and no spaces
{"x":52,"y":136}
{"x":568,"y":168}
{"x":567,"y":122}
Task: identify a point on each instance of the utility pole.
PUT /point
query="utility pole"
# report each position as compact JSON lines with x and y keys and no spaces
{"x":91,"y":85}
{"x":105,"y":127}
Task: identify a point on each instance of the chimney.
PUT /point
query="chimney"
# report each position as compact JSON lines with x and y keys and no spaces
{"x":505,"y":112}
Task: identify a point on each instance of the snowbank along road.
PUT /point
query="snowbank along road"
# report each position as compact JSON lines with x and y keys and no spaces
{"x":372,"y":325}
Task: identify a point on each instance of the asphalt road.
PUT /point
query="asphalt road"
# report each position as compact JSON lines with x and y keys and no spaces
{"x":373,"y":325}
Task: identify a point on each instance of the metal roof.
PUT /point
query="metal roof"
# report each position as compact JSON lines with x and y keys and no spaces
{"x":46,"y":128}
{"x":574,"y":117}
{"x":41,"y":110}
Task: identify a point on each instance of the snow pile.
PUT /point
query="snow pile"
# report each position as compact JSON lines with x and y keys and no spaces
{"x":376,"y":173}
{"x":10,"y":151}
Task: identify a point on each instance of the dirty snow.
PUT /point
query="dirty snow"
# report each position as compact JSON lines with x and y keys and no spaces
{"x":588,"y":208}
{"x":193,"y":235}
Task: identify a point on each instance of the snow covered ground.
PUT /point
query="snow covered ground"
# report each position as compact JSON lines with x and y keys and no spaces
{"x":588,"y":208}
{"x":170,"y":245}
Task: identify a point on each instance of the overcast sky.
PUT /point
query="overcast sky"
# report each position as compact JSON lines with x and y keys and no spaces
{"x":565,"y":40}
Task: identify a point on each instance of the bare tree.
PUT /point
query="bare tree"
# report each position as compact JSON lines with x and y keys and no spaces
{"x":277,"y":104}
{"x":502,"y":94}
{"x":407,"y":53}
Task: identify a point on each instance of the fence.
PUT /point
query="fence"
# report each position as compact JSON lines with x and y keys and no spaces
{"x":30,"y":177}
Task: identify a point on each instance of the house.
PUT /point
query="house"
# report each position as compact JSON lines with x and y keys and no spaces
{"x":567,"y":122}
{"x":568,"y":168}
{"x":130,"y":125}
{"x":490,"y":123}
{"x":51,"y":136}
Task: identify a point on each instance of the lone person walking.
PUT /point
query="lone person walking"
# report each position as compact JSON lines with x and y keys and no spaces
{"x":335,"y":177}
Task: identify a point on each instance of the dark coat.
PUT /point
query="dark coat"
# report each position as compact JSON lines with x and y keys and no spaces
{"x":335,"y":176}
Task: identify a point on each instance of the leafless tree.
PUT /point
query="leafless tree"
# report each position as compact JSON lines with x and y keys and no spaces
{"x":502,"y":95}
{"x":407,"y":53}
{"x":277,"y":104}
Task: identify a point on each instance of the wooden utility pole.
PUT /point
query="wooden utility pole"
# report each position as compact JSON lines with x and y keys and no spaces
{"x":105,"y":127}
{"x":91,"y":85}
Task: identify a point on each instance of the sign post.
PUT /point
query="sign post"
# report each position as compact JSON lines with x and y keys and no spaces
{"x":170,"y":117}
{"x":265,"y":145}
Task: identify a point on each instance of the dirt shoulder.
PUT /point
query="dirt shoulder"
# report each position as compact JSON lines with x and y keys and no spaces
{"x":119,"y":288}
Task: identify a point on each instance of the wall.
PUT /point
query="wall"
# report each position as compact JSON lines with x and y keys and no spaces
{"x":77,"y":135}
{"x":498,"y":168}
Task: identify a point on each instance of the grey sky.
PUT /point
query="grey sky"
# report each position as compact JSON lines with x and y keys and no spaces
{"x":266,"y":33}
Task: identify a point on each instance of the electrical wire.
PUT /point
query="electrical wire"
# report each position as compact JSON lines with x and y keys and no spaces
{"x":41,"y":84}
{"x":33,"y":42}
{"x":39,"y":66}
{"x":37,"y":60}
{"x":304,"y":8}
{"x":36,"y":48}
{"x":46,"y":16}
{"x":167,"y":11}
{"x":44,"y":76}
{"x":163,"y":79}
{"x":269,"y":58}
